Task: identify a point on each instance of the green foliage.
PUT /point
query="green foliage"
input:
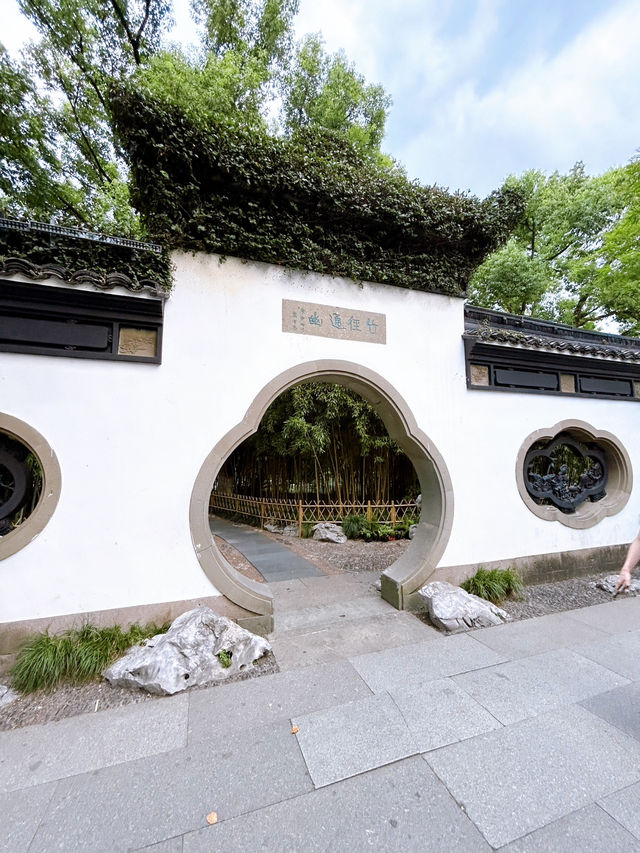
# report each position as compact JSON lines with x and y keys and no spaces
{"x":79,"y":254}
{"x":494,"y":584}
{"x":572,"y":258}
{"x":357,"y":527}
{"x":77,"y":655}
{"x":307,"y":529}
{"x":326,"y":91}
{"x":224,"y":657}
{"x":353,"y":525}
{"x":62,"y":86}
{"x":616,"y":271}
{"x":58,"y":156}
{"x":320,"y":440}
{"x":310,"y":202}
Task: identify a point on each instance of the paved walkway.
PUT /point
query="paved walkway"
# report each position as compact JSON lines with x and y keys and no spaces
{"x":273,"y":561}
{"x":520,"y":738}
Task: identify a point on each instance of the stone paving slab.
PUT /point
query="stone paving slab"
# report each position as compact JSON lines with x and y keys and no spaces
{"x":619,"y":653}
{"x":20,"y":815}
{"x":411,"y":665}
{"x":624,"y":807}
{"x":393,"y":809}
{"x":295,"y":649}
{"x":323,"y":615}
{"x":522,"y":688}
{"x":260,"y":701}
{"x":439,"y":713}
{"x":272,"y":560}
{"x":349,"y":739}
{"x":171,"y":845}
{"x":612,"y":617}
{"x":37,"y":754}
{"x":533,"y":636}
{"x":619,"y":707}
{"x":156,"y":798}
{"x":329,"y":589}
{"x":517,"y":779}
{"x":590,"y":829}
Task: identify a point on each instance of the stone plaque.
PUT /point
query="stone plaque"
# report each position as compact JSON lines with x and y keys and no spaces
{"x":331,"y":321}
{"x":567,"y":383}
{"x":479,"y":374}
{"x":140,"y":342}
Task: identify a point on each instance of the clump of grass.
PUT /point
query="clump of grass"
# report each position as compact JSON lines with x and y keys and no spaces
{"x":224,"y":657}
{"x":494,"y":584}
{"x":307,"y":529}
{"x":76,"y":656}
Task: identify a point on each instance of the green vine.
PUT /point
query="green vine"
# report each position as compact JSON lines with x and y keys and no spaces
{"x":77,"y":253}
{"x":312,"y":202}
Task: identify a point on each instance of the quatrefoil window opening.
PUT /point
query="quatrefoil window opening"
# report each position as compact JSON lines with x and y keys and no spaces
{"x":565,"y":472}
{"x":573,"y":473}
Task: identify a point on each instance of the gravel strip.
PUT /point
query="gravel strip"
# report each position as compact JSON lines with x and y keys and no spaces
{"x":555,"y":597}
{"x":71,"y":699}
{"x":354,"y":556}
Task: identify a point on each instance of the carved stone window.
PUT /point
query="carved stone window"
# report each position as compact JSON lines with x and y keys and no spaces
{"x":29,"y":484}
{"x":573,"y":474}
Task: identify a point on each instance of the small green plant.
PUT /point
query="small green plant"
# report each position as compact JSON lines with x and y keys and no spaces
{"x":353,"y":525}
{"x":494,"y":584}
{"x":224,"y":657}
{"x":307,"y":529}
{"x":77,"y":655}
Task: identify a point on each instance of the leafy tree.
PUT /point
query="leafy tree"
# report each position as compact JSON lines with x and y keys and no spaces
{"x":28,"y":169}
{"x":58,"y":155}
{"x":83,"y":46}
{"x":327,"y":91}
{"x":560,"y":263}
{"x":616,"y":279}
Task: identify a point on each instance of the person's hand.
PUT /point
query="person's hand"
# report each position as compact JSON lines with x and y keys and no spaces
{"x":624,"y":581}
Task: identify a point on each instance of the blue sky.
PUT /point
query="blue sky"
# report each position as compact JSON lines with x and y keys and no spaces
{"x":482,"y":88}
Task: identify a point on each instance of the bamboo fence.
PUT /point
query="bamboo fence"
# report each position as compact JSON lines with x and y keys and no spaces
{"x":267,"y":510}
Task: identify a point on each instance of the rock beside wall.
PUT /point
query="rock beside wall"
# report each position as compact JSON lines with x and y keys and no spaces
{"x":452,"y":609}
{"x":192,"y":652}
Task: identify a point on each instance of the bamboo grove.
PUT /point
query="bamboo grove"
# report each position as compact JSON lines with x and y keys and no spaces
{"x":320,"y":442}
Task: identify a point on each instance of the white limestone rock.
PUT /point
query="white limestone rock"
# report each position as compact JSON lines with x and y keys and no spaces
{"x":291,"y":530}
{"x":7,"y":695}
{"x":412,"y":530}
{"x":325,"y":532}
{"x":452,"y":609}
{"x":610,"y":583}
{"x":187,"y":654}
{"x":273,"y":528}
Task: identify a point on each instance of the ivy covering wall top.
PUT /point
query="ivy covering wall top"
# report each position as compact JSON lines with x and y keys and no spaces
{"x":310,"y":202}
{"x":41,"y":251}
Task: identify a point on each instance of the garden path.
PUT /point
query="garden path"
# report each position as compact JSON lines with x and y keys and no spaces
{"x":273,"y":561}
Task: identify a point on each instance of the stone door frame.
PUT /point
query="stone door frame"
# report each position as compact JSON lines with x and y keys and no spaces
{"x":402,"y":580}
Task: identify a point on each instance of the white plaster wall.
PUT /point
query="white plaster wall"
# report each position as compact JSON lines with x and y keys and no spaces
{"x":131,"y":438}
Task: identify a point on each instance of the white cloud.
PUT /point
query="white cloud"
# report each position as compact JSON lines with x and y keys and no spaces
{"x":464,"y":119}
{"x":583,"y":104}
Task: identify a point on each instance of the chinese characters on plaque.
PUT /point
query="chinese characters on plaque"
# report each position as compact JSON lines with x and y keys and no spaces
{"x":329,"y":321}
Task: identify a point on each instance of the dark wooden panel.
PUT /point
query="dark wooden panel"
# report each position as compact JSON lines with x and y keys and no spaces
{"x":27,"y":330}
{"x":600,"y":385}
{"x":44,"y":320}
{"x":526,"y":379}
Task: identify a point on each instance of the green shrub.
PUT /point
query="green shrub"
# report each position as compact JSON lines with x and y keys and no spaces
{"x":353,"y":525}
{"x":75,"y":656}
{"x":494,"y":584}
